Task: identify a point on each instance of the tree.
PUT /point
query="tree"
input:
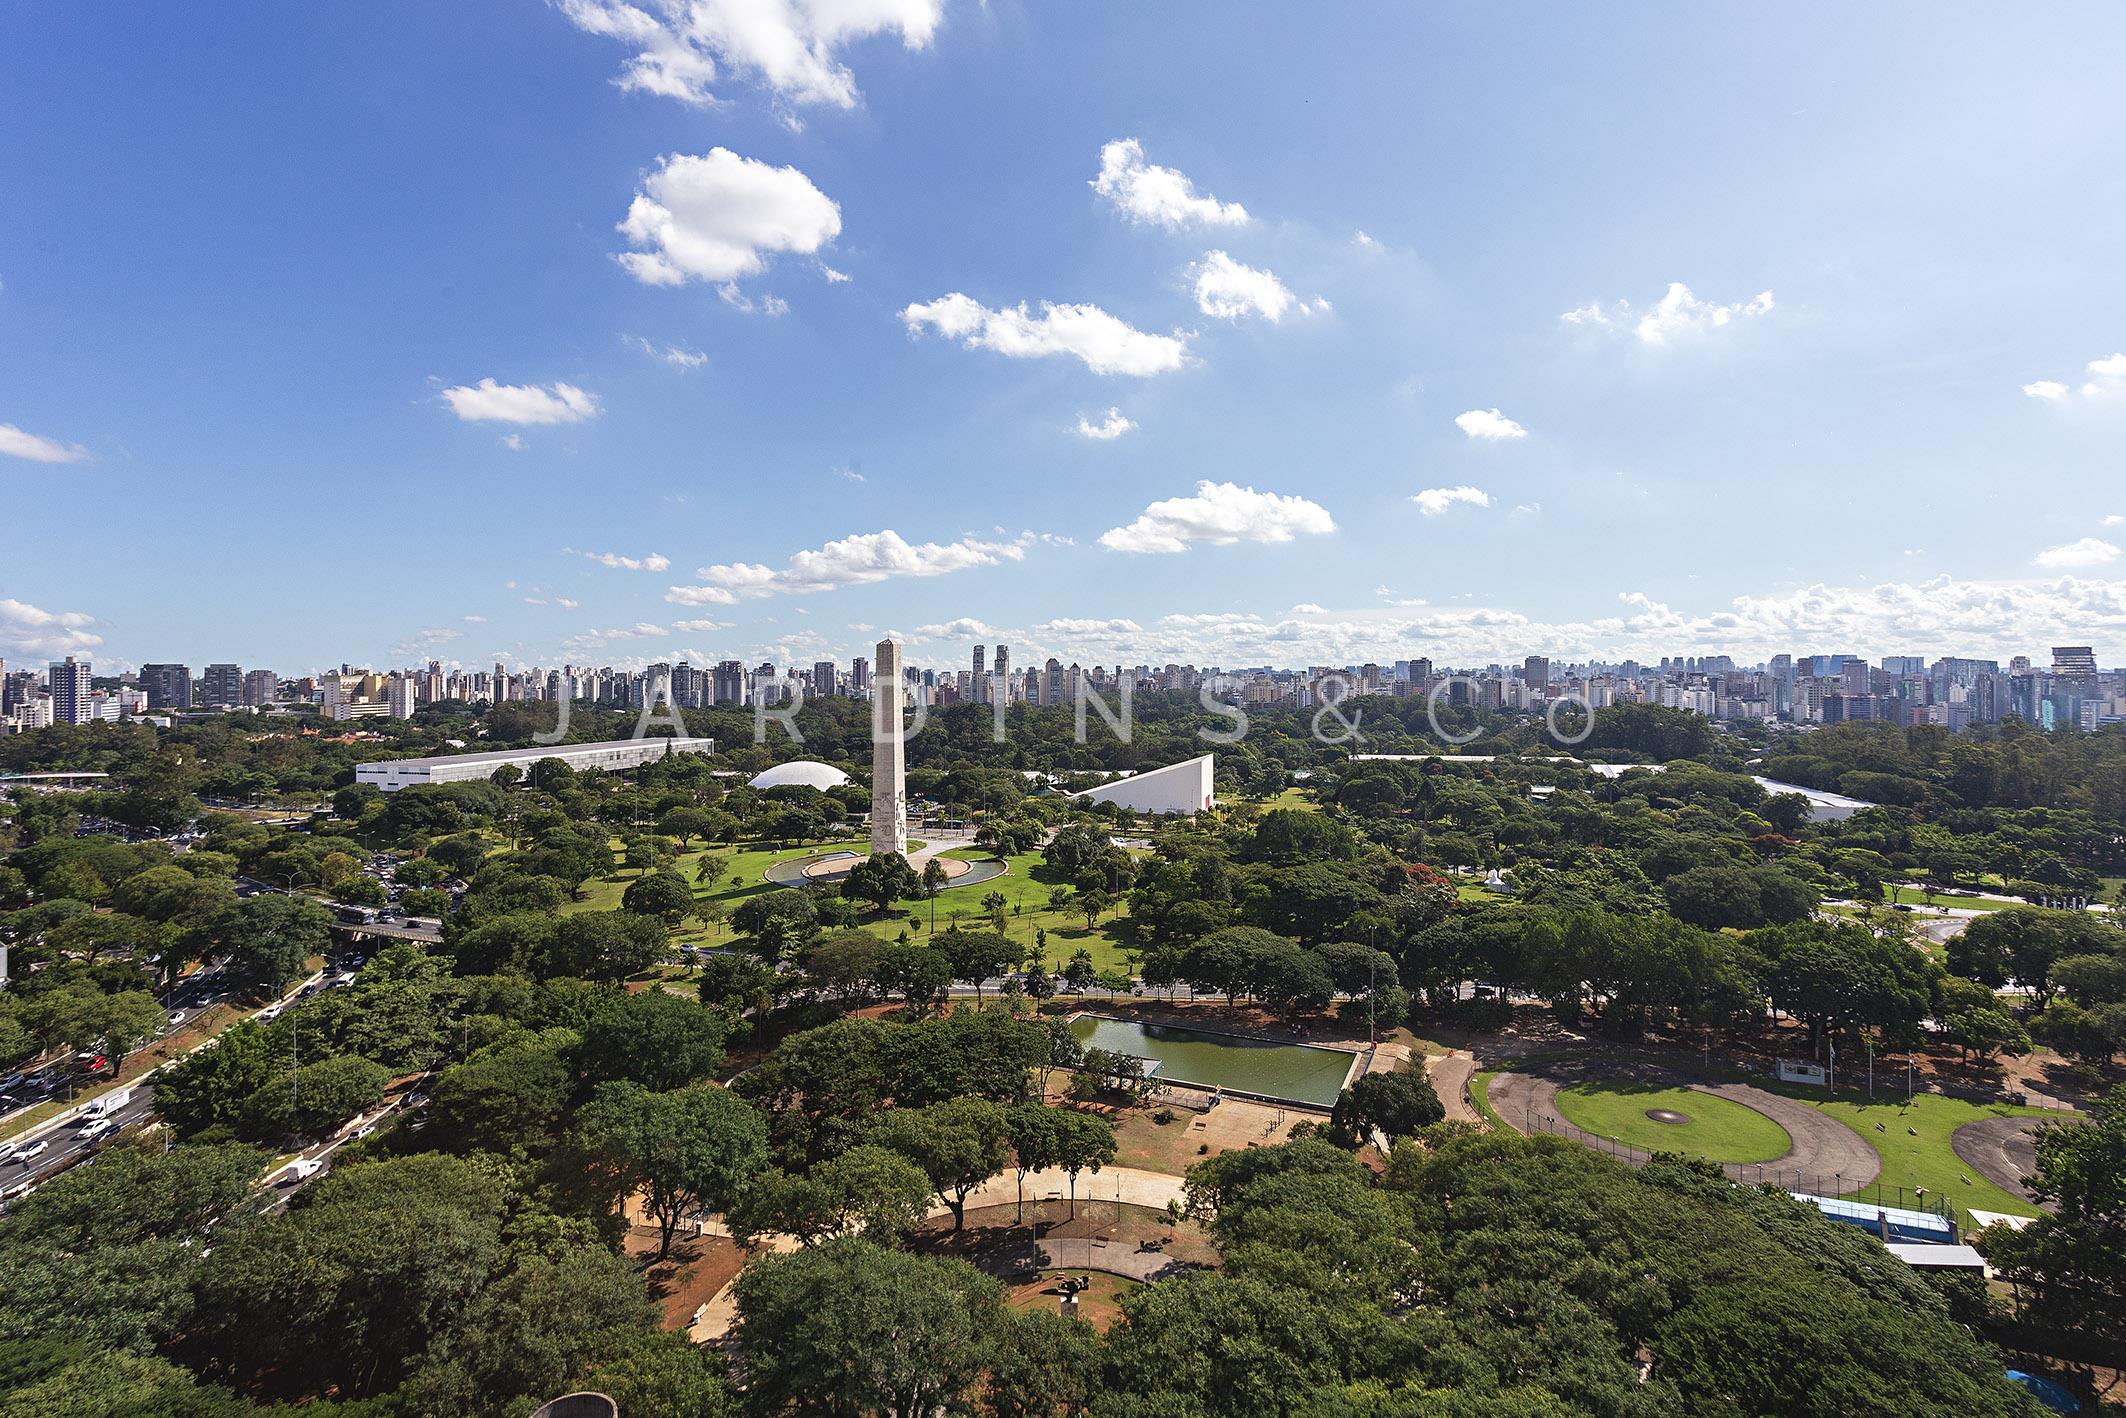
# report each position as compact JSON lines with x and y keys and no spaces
{"x":685,"y":823}
{"x":270,"y":939}
{"x":1043,"y":1137}
{"x":111,"y":1024}
{"x":1399,"y":1104}
{"x":686,"y":1151}
{"x":778,"y":921}
{"x":918,"y":974}
{"x":662,"y":894}
{"x":975,"y":956}
{"x":654,"y":1038}
{"x":933,"y":881}
{"x":1078,"y":971}
{"x":603,"y":945}
{"x":735,"y":982}
{"x":850,"y":1328}
{"x":959,"y":1144}
{"x":1090,"y":904}
{"x":312,"y":1100}
{"x":881,"y":879}
{"x":2069,"y":1265}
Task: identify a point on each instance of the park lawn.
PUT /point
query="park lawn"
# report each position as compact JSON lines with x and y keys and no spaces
{"x":1913,"y":896}
{"x":1025,"y":887}
{"x":1718,"y":1130}
{"x":1922,"y":1157}
{"x":1298,"y":798}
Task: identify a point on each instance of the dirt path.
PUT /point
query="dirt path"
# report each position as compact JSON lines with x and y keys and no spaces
{"x":2002,"y":1150}
{"x":1822,"y":1146}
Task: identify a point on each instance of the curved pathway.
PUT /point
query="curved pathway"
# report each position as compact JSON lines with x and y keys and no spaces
{"x":2002,"y":1150}
{"x":1822,"y":1147}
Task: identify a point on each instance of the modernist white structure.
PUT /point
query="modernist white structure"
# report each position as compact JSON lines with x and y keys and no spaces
{"x":1178,"y":787}
{"x":611,"y":756}
{"x":800,"y":773}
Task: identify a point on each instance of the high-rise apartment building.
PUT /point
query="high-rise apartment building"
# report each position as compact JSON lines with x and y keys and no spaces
{"x":260,"y":687}
{"x":68,"y":681}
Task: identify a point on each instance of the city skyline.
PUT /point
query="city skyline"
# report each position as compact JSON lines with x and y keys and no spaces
{"x":1307,"y":339}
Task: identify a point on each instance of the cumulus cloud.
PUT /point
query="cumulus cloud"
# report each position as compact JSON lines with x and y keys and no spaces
{"x":1939,"y":616}
{"x":678,"y":356}
{"x":2089,"y":551}
{"x":2104,"y":379}
{"x":423,"y":643}
{"x":965,"y":627}
{"x":28,"y":632}
{"x":1488,"y":423}
{"x":850,"y":561}
{"x":653,"y":562}
{"x":789,"y":47}
{"x":489,"y":402}
{"x":1221,"y":514}
{"x":1158,"y":196}
{"x":1106,"y":344}
{"x":1677,"y":314}
{"x":1113,"y":425}
{"x":21,"y":443}
{"x":1309,"y":608}
{"x":717,"y":217}
{"x":1227,"y":289}
{"x":1435,"y":501}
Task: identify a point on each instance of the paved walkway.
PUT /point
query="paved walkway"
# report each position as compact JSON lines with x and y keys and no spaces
{"x":1450,"y":1075}
{"x":2002,"y":1150}
{"x":1822,"y":1146}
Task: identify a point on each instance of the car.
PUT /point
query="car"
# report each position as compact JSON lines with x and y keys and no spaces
{"x":32,"y":1149}
{"x":364,"y":1130}
{"x":179,"y":1016}
{"x":302,"y":1169}
{"x":270,"y":1013}
{"x":98,"y":1131}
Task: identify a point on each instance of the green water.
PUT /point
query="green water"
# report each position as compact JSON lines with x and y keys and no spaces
{"x":1296,"y":1071}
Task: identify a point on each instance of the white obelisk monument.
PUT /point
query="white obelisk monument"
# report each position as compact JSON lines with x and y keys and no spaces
{"x":889,"y":768}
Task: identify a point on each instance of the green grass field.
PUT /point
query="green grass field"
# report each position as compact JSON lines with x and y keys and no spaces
{"x":1718,"y":1130}
{"x":1922,"y":1157}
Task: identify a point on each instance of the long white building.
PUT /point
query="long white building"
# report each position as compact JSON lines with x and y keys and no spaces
{"x":612,"y":756}
{"x":1178,"y":787}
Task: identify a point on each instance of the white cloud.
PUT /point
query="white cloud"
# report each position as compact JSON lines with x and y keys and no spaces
{"x":2106,"y":380}
{"x":490,"y":402}
{"x":1221,"y":514}
{"x":716,"y":218}
{"x":1435,"y":501}
{"x":655,"y":561}
{"x":965,"y":627}
{"x":474,"y":619}
{"x":1678,"y":313}
{"x":423,"y":643}
{"x":1112,"y":426}
{"x":678,"y":356}
{"x":2115,"y":520}
{"x":1488,"y":423}
{"x":2089,"y":551}
{"x":565,"y":603}
{"x":1106,"y":344}
{"x":20,"y":443}
{"x":1309,"y":608}
{"x":1157,"y":196}
{"x":1229,"y":290}
{"x":789,"y":47}
{"x":850,"y":561}
{"x":834,"y":277}
{"x":30,"y":633}
{"x":514,"y":442}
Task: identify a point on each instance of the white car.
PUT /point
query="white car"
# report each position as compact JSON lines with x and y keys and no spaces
{"x":302,"y":1169}
{"x":32,"y":1149}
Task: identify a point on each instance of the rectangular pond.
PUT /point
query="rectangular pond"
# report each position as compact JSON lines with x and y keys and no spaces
{"x":1299,"y":1073}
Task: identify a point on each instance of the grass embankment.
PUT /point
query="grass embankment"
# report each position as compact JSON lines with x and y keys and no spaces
{"x":1480,"y":1094}
{"x":1718,"y":1130}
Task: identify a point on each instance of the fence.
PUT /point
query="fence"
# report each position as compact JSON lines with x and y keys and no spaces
{"x":1793,"y":1179}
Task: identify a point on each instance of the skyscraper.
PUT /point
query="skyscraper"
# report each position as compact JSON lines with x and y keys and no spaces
{"x":222,"y":686}
{"x":167,"y":686}
{"x":68,"y":680}
{"x":981,"y":678}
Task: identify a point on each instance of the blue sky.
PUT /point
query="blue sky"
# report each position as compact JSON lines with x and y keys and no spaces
{"x":746,"y":278}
